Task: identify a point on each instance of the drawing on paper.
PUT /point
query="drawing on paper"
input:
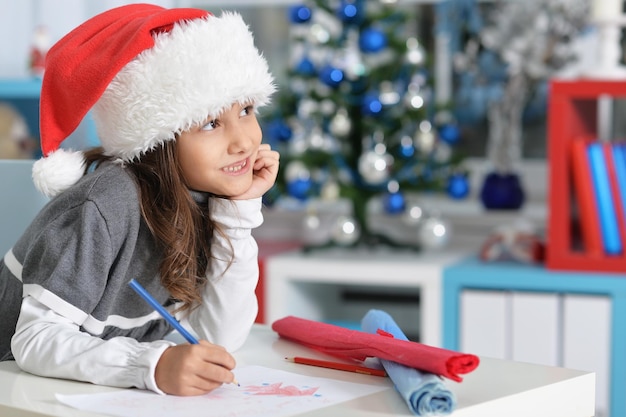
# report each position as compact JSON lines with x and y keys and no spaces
{"x":279,"y":389}
{"x":264,"y":392}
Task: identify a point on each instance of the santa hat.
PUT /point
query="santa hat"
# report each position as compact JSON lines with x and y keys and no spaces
{"x":147,"y":73}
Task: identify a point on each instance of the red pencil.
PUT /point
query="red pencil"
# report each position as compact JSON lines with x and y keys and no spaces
{"x":338,"y":366}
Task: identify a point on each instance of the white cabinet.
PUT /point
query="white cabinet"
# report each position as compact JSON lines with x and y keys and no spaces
{"x":571,"y":331}
{"x":484,"y":323}
{"x":587,"y":340}
{"x":529,"y":314}
{"x":535,"y":325}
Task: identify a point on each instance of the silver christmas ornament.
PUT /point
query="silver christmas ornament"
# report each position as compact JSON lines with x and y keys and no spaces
{"x":328,"y":107}
{"x":345,"y":231}
{"x":330,"y":190}
{"x":351,"y":60}
{"x":375,"y":165}
{"x":388,"y":94}
{"x":318,"y":34}
{"x":443,"y":152}
{"x":413,"y":98}
{"x":340,"y":124}
{"x":297,"y":170}
{"x":306,"y":108}
{"x":413,"y":214}
{"x":316,"y":138}
{"x":425,"y":137}
{"x":415,"y":53}
{"x":313,"y":233}
{"x":434,"y":233}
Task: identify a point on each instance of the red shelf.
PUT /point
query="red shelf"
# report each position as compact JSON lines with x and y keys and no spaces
{"x":572,"y":115}
{"x":267,"y":249}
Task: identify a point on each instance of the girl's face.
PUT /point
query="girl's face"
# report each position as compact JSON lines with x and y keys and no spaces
{"x":218,"y":156}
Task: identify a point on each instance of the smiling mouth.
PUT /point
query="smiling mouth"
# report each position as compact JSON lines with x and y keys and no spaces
{"x":236,"y":168}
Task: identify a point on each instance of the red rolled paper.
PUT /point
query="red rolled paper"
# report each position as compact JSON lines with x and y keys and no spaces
{"x":339,"y":341}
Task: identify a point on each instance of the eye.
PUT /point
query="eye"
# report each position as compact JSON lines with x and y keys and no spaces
{"x":249,"y":109}
{"x":210,"y":125}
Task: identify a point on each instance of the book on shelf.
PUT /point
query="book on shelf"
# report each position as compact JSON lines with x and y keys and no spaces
{"x":604,"y":197}
{"x":616,"y":168}
{"x":619,"y":155}
{"x":588,"y":216}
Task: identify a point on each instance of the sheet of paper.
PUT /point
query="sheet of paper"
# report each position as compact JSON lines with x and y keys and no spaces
{"x":263,"y":392}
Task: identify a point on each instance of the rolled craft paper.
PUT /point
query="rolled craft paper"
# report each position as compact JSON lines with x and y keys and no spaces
{"x":425,"y":393}
{"x":355,"y":344}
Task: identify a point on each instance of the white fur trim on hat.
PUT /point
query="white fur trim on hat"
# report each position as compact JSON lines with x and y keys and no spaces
{"x":197,"y":70}
{"x":58,"y":171}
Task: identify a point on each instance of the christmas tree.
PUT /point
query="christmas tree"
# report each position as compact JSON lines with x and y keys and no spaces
{"x":357,"y":118}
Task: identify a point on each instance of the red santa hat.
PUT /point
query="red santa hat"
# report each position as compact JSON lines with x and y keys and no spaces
{"x":146,"y":73}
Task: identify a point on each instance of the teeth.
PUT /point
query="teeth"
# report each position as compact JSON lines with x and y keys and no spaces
{"x":235,"y":168}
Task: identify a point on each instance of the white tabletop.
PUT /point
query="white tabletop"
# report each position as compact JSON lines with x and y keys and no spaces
{"x":496,"y":388}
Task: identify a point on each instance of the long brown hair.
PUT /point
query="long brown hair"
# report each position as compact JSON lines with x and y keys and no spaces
{"x":181,"y":227}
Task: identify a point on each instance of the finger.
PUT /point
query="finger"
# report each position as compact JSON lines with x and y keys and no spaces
{"x":268,"y":158}
{"x":212,"y":375}
{"x":214,"y":354}
{"x":265,"y":163}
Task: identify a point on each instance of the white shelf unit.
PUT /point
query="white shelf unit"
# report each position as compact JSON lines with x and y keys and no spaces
{"x":313,"y":285}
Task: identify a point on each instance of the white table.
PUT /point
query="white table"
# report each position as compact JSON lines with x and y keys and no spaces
{"x":496,"y":388}
{"x":382,"y":268}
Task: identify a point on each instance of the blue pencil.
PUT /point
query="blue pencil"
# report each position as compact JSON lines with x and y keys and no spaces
{"x":165,"y":314}
{"x":162,"y":311}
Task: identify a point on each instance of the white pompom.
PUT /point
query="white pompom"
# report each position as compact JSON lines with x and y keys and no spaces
{"x":58,"y":171}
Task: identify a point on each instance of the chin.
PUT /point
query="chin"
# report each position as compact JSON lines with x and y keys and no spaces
{"x":235,"y":191}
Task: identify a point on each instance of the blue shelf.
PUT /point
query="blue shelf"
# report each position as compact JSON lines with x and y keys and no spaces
{"x":20,"y":88}
{"x":472,"y":273}
{"x":23,"y":94}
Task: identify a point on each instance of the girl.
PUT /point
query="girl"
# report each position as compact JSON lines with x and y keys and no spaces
{"x":169,"y":200}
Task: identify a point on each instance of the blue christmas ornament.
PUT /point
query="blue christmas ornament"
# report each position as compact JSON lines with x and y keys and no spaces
{"x":305,"y":67}
{"x":299,"y":188}
{"x":450,"y":133}
{"x":502,"y":191}
{"x":372,"y":40}
{"x":371,"y":105}
{"x":331,"y":76}
{"x":349,"y":12}
{"x":407,"y":150}
{"x":458,"y":186}
{"x":279,"y":131}
{"x":299,"y":13}
{"x":394,"y":203}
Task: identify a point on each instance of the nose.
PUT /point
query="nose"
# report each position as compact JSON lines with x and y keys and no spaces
{"x":241,"y":137}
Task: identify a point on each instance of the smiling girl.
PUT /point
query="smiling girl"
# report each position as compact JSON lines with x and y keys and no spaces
{"x":169,"y":200}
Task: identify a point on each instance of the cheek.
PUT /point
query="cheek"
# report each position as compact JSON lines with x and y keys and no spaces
{"x":254,"y":132}
{"x":194,"y":158}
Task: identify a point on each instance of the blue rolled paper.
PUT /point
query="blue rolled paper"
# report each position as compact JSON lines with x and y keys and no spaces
{"x":424,"y":393}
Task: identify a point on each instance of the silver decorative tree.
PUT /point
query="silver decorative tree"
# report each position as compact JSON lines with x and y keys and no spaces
{"x":532,"y":41}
